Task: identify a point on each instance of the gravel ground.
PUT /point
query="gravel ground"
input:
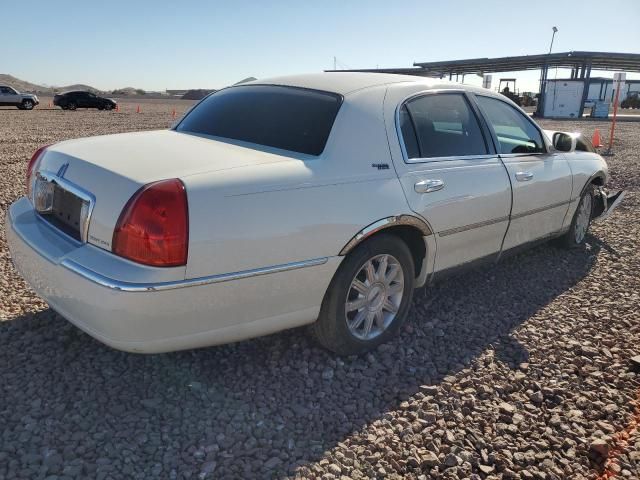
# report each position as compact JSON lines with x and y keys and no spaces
{"x":518,"y":371}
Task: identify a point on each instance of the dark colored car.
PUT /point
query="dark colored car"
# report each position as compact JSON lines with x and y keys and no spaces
{"x":73,"y":100}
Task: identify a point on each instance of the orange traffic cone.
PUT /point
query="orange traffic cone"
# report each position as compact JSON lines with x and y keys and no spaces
{"x":138,"y":109}
{"x":596,"y":140}
{"x":50,"y":105}
{"x":173,"y":114}
{"x":117,"y":107}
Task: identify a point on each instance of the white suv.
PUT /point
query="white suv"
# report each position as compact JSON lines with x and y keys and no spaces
{"x":11,"y":97}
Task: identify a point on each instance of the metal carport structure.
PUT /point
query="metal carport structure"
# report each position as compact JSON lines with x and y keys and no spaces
{"x":580,"y":63}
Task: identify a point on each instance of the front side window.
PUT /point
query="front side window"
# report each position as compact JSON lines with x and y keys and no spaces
{"x":516,"y":134}
{"x":440,"y":125}
{"x":289,"y":118}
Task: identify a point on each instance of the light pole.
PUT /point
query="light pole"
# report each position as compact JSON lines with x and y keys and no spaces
{"x":543,"y":78}
{"x":555,"y":29}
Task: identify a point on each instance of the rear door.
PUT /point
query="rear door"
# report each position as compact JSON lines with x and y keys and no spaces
{"x":450,"y":173}
{"x":540,"y":177}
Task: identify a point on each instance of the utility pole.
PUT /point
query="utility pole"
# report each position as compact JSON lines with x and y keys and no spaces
{"x":543,"y":77}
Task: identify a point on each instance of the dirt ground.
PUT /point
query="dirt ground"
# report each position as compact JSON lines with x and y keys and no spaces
{"x":517,"y":371}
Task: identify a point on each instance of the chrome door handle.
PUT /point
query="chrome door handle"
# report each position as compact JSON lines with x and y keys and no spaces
{"x":524,"y":176}
{"x":428,"y":186}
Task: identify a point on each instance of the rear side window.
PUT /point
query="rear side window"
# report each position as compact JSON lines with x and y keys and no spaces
{"x":440,"y":125}
{"x":289,"y":118}
{"x":516,"y":134}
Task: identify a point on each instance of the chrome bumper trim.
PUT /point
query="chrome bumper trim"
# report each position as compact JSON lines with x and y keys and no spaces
{"x":610,"y":207}
{"x":191,"y":282}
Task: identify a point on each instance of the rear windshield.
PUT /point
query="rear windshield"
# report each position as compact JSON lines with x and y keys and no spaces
{"x":289,"y":118}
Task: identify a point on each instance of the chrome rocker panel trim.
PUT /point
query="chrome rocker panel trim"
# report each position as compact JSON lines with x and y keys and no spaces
{"x":191,"y":282}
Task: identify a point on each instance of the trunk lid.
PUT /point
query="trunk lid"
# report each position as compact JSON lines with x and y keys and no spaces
{"x":112,"y":168}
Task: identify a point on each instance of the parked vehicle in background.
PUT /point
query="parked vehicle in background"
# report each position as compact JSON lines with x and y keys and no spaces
{"x":632,"y":100}
{"x":82,"y":99}
{"x":9,"y":96}
{"x":316,"y":199}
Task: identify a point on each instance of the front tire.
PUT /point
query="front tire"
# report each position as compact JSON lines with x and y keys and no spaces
{"x":581,"y":220}
{"x":368,"y":298}
{"x":27,"y":105}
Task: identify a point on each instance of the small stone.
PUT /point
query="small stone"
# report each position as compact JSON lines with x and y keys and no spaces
{"x":207,"y":468}
{"x":429,"y":459}
{"x":327,"y":373}
{"x":536,"y":397}
{"x":451,"y":460}
{"x":272,"y":463}
{"x":487,"y":469}
{"x":599,"y":448}
{"x":507,"y":408}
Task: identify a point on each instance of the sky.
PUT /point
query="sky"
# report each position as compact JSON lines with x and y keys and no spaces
{"x":158,"y":45}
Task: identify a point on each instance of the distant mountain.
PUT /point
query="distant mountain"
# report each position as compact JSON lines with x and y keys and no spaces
{"x":22,"y":85}
{"x":28,"y":87}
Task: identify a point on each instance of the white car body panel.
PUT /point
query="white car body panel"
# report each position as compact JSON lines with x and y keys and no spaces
{"x":269,"y":228}
{"x":540,"y":204}
{"x":476,"y":193}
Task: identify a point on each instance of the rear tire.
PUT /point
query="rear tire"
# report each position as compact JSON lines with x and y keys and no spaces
{"x":71,"y":106}
{"x":368,"y":298}
{"x":581,"y":220}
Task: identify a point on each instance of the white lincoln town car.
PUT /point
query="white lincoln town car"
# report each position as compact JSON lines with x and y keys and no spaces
{"x":321,"y":199}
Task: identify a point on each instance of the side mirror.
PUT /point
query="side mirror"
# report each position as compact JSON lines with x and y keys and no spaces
{"x":564,"y":142}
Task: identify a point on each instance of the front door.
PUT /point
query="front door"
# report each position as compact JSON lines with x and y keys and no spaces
{"x":451,"y":174}
{"x":541,"y":178}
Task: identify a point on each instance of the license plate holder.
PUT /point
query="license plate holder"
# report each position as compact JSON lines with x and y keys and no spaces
{"x":61,"y":207}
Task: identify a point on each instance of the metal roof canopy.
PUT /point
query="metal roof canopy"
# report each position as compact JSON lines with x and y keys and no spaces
{"x":628,"y":62}
{"x":580,"y":63}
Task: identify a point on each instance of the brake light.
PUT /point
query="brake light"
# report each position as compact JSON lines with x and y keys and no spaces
{"x":31,"y":167}
{"x":153,"y":227}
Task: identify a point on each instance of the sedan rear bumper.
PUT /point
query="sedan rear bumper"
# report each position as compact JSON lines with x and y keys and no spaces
{"x":158,"y":316}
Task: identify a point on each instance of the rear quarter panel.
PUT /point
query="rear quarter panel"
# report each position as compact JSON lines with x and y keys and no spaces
{"x":305,"y":208}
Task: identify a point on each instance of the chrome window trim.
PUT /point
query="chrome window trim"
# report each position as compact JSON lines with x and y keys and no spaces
{"x":515,"y":155}
{"x":121,"y":286}
{"x":77,"y":191}
{"x":422,"y":93}
{"x":448,"y":159}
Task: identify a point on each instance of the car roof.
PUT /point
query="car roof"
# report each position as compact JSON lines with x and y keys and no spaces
{"x":344,"y":83}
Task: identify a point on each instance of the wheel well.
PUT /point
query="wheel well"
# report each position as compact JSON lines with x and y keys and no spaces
{"x":414,"y":240}
{"x":599,"y":181}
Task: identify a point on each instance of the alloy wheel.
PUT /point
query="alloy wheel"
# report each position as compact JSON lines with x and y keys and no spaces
{"x":374,"y":297}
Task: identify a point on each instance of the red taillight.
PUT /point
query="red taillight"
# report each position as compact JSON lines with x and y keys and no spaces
{"x":153,"y":227}
{"x":31,"y":166}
